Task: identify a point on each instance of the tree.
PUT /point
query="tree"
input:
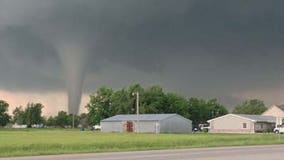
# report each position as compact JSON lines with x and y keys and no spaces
{"x":99,"y":106}
{"x":51,"y":121}
{"x":201,"y":110}
{"x":215,"y":109}
{"x":154,"y":100}
{"x":4,"y":116}
{"x":198,"y":110}
{"x":33,"y":114}
{"x":122,"y":102}
{"x":63,"y":119}
{"x":83,"y":120}
{"x":176,"y":104}
{"x":253,"y":106}
{"x":19,"y":115}
{"x":76,"y":120}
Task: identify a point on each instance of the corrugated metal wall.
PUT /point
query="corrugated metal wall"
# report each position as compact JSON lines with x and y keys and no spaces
{"x":147,"y":127}
{"x":144,"y":126}
{"x":111,"y":127}
{"x":175,"y":124}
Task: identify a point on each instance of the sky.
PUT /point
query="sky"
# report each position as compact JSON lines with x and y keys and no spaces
{"x":225,"y":49}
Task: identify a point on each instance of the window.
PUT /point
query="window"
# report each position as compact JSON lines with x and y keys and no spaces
{"x":244,"y":125}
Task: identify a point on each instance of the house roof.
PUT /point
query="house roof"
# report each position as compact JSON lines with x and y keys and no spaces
{"x":253,"y":118}
{"x":142,"y":117}
{"x":259,"y":118}
{"x":280,"y":106}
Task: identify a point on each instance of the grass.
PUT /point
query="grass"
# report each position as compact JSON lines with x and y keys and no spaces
{"x":42,"y":142}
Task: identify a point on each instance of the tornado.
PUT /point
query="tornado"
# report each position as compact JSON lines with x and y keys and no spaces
{"x":73,"y":57}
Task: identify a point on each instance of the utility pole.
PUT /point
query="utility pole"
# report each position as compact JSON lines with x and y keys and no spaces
{"x":73,"y":119}
{"x":137,"y":110}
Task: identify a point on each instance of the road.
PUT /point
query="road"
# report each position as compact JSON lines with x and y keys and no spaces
{"x":271,"y":152}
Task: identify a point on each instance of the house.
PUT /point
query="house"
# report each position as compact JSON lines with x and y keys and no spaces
{"x":147,"y":123}
{"x":276,"y":111}
{"x":241,"y":123}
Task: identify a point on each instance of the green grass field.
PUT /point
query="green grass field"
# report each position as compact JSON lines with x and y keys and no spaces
{"x":43,"y":141}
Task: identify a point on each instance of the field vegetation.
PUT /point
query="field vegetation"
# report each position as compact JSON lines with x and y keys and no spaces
{"x":47,"y":141}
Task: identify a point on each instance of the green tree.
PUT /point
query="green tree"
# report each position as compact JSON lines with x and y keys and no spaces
{"x":4,"y":116}
{"x":121,"y":102}
{"x":135,"y":88}
{"x":154,"y":100}
{"x":201,"y":110}
{"x":198,"y":110}
{"x":33,"y":113}
{"x":99,"y":106}
{"x":51,"y":121}
{"x":76,"y":120}
{"x":84,"y":120}
{"x":19,"y":115}
{"x":176,"y":104}
{"x":215,"y":109}
{"x":253,"y":106}
{"x":63,"y":119}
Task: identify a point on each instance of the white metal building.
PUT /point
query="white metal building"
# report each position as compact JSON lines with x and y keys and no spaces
{"x":147,"y":123}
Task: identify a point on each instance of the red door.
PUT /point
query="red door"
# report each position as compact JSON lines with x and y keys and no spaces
{"x":129,"y":126}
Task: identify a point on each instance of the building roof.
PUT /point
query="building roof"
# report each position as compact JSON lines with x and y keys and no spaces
{"x":280,"y":106}
{"x":259,"y":118}
{"x":142,"y":117}
{"x":253,"y":118}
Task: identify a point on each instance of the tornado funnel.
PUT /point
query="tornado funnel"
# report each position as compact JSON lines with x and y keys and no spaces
{"x":73,"y":58}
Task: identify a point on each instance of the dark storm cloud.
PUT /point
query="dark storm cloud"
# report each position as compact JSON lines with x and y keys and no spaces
{"x":203,"y":48}
{"x":26,"y":60}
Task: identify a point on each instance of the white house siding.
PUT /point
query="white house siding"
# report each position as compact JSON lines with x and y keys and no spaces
{"x":231,"y":124}
{"x":112,"y":127}
{"x":175,"y":124}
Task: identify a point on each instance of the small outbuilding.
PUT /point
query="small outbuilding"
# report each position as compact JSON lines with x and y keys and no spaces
{"x":241,"y":123}
{"x":147,"y":123}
